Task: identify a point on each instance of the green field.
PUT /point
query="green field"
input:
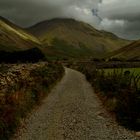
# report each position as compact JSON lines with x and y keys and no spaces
{"x":135,"y":71}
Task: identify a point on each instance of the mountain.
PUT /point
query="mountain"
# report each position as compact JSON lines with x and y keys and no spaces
{"x":68,"y":37}
{"x":14,"y":38}
{"x":128,"y":52}
{"x":16,"y":45}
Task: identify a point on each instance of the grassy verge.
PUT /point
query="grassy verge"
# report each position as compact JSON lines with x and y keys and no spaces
{"x":22,"y":87}
{"x":135,"y":71}
{"x":119,"y":89}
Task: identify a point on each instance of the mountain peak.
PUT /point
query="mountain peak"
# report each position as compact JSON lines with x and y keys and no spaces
{"x":70,"y":35}
{"x":56,"y":21}
{"x":62,"y":19}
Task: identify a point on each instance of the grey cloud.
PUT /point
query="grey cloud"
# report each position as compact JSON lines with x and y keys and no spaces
{"x":121,"y":17}
{"x":27,"y":12}
{"x":124,"y":29}
{"x":118,"y":9}
{"x":117,"y":16}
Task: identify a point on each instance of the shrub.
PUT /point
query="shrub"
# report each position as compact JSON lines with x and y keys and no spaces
{"x":25,"y":89}
{"x":120,"y":92}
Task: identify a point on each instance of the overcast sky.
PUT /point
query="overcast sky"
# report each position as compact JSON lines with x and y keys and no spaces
{"x":121,"y":17}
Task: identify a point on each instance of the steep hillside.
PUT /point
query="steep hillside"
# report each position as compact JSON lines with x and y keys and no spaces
{"x":129,"y":52}
{"x":74,"y":38}
{"x":13,"y":38}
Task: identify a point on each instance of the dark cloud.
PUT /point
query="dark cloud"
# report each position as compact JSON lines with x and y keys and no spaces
{"x":117,"y":9}
{"x":120,"y":17}
{"x":27,"y":12}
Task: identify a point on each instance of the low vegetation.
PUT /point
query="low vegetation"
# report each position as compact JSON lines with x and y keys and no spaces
{"x":119,"y":89}
{"x":22,"y":86}
{"x":135,"y":71}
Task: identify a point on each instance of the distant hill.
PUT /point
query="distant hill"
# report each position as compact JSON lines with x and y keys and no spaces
{"x":128,"y":52}
{"x":71,"y":38}
{"x":17,"y":45}
{"x":14,"y":38}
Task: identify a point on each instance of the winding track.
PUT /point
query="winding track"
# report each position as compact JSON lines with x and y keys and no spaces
{"x":72,"y":112}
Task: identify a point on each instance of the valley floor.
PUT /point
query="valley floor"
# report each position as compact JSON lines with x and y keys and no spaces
{"x":72,"y":112}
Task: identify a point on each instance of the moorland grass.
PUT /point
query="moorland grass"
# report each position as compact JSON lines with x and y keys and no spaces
{"x":119,"y":90}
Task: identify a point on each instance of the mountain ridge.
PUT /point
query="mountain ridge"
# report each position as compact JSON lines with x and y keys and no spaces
{"x":71,"y":20}
{"x":76,"y":34}
{"x":60,"y":37}
{"x":12,"y":37}
{"x":128,"y":52}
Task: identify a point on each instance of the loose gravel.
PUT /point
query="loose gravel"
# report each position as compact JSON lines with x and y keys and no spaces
{"x":72,"y":112}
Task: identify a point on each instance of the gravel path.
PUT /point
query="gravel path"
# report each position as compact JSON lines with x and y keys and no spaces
{"x":72,"y":112}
